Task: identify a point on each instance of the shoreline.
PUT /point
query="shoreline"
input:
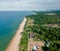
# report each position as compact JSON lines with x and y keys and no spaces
{"x":14,"y":43}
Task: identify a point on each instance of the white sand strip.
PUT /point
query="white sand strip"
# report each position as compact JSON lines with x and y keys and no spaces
{"x":14,"y":44}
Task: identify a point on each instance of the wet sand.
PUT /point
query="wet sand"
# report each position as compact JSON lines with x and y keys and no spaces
{"x":14,"y":44}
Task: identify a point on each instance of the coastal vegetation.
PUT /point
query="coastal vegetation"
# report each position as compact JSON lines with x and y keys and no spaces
{"x":46,"y":26}
{"x":24,"y":40}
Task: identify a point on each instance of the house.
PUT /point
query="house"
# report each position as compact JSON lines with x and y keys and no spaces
{"x":31,"y":35}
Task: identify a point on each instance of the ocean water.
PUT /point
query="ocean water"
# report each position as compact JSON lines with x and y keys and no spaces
{"x":9,"y":23}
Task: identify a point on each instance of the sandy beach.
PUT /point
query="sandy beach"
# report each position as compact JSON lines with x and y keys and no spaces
{"x":14,"y":44}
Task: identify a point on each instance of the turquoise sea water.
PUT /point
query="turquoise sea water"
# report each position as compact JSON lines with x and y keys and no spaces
{"x":9,"y":23}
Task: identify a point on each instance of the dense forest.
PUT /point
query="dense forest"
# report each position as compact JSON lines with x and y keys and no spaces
{"x":47,"y":26}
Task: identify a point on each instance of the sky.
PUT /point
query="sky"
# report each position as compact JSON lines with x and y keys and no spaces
{"x":29,"y":5}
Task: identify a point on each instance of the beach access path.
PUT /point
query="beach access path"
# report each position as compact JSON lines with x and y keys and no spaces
{"x":14,"y":44}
